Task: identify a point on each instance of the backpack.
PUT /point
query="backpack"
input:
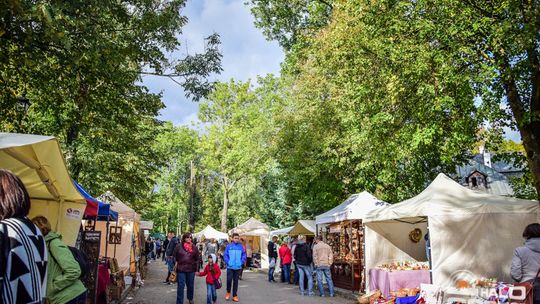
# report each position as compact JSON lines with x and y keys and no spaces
{"x":81,"y":258}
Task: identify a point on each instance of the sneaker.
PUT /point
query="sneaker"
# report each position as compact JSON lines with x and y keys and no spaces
{"x":228,"y":296}
{"x":166,"y":282}
{"x":235,"y":299}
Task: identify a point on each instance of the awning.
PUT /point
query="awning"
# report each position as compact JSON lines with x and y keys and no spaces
{"x":356,"y":207}
{"x":282,"y":231}
{"x":38,"y":161}
{"x":303,"y":227}
{"x":96,"y":208}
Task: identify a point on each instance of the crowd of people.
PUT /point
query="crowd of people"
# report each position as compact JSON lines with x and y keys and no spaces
{"x":36,"y":266}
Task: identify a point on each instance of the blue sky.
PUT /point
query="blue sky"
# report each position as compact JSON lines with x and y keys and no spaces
{"x":245,"y":51}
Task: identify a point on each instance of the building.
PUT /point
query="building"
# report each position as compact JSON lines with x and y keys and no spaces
{"x":482,"y":174}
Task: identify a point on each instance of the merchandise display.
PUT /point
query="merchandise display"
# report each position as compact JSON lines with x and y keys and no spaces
{"x":407,"y":265}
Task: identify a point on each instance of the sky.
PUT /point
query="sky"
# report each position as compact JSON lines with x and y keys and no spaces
{"x":246,"y":53}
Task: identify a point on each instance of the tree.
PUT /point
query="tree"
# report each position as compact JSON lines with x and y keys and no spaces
{"x":80,"y":64}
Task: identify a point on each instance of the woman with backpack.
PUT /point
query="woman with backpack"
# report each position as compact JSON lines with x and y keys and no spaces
{"x":22,"y":246}
{"x":63,"y":270}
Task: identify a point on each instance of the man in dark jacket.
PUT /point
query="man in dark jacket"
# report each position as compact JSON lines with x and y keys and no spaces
{"x":169,"y":255}
{"x":303,"y":257}
{"x":272,"y":256}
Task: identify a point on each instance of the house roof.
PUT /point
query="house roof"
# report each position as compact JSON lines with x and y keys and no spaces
{"x":498,"y":183}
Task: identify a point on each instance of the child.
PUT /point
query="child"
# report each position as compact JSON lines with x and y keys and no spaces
{"x":212,"y":273}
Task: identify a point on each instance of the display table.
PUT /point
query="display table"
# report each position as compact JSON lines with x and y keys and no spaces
{"x":387,"y":281}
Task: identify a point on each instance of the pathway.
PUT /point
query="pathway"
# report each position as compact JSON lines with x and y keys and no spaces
{"x":253,"y":289}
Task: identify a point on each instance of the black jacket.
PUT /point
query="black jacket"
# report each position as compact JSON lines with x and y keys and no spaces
{"x":272,"y":252}
{"x":303,"y":254}
{"x":170,"y":247}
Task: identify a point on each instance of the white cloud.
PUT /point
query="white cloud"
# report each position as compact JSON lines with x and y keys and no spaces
{"x":246,"y":53}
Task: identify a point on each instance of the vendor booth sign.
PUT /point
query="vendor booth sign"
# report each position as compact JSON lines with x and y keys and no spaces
{"x":74,"y":214}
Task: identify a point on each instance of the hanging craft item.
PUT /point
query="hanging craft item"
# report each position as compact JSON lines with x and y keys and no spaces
{"x":416,"y":235}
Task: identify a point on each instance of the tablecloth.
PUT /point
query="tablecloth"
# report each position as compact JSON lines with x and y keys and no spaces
{"x":387,"y":281}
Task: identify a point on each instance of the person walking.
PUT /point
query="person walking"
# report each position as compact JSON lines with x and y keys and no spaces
{"x":164,"y":248}
{"x":303,"y":256}
{"x":235,"y":257}
{"x":526,"y":259}
{"x":186,"y":258}
{"x":272,"y":255}
{"x":158,"y":248}
{"x":323,"y":257}
{"x":63,"y":271}
{"x":286,"y":259}
{"x":211,"y":248}
{"x":171,"y":245}
{"x":29,"y":282}
{"x":212,"y":273}
{"x":294,"y":266}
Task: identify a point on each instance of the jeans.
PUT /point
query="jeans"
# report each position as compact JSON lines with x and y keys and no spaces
{"x":324,"y":271}
{"x":183,"y":279}
{"x":170,"y":266}
{"x":80,"y":299}
{"x":271,"y":270}
{"x":232,"y":281}
{"x":211,"y":294}
{"x":306,"y":270}
{"x":286,"y":269}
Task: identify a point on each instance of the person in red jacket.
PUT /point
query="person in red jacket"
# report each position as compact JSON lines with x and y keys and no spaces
{"x":212,"y":273}
{"x":286,"y":259}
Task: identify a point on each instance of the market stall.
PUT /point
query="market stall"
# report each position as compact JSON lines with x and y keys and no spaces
{"x":464,"y":227}
{"x":39,"y":163}
{"x":210,"y":233}
{"x":122,"y":241}
{"x":342,"y":229}
{"x":258,"y":233}
{"x":306,"y":228}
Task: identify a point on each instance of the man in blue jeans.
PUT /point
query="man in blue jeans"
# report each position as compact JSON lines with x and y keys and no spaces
{"x":234,"y":257}
{"x":173,"y":241}
{"x":323,"y":259}
{"x":303,"y":257}
{"x":272,"y":256}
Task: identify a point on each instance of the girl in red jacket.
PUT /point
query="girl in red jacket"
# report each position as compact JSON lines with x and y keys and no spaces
{"x":212,"y":273}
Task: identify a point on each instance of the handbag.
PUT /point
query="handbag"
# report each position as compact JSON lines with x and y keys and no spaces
{"x":172,"y":277}
{"x":272,"y":263}
{"x":532,"y":291}
{"x":217,"y":283}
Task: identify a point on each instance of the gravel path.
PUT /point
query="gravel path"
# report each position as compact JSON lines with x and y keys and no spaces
{"x":253,"y":290}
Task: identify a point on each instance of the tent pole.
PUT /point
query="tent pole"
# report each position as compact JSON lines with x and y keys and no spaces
{"x":107,"y":239}
{"x":430,"y":258}
{"x":114,"y":254}
{"x":363,"y":258}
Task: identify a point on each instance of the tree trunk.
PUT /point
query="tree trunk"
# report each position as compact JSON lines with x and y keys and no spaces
{"x":529,"y":127}
{"x":73,"y":132}
{"x":225,"y":204}
{"x":191,"y":197}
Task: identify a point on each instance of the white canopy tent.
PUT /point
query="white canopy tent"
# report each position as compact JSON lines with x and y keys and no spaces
{"x":282,"y":231}
{"x":258,"y":233}
{"x":303,"y":227}
{"x":39,"y":163}
{"x":353,"y":208}
{"x":210,"y":233}
{"x":469,"y":232}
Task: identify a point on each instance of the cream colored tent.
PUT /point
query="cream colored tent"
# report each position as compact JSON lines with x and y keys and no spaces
{"x":470,"y":233}
{"x":129,"y":247}
{"x":282,"y":231}
{"x":303,"y":227}
{"x":210,"y":233}
{"x":257,"y":232}
{"x":38,"y":162}
{"x":355,"y":207}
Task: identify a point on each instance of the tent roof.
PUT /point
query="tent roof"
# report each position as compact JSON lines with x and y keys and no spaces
{"x":282,"y":231}
{"x":210,"y":233}
{"x":353,"y":208}
{"x":445,"y":196}
{"x":303,"y":227}
{"x":251,"y":227}
{"x":117,"y":205}
{"x":38,"y":161}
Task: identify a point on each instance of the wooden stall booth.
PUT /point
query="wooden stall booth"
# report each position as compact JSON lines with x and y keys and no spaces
{"x":341,"y":228}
